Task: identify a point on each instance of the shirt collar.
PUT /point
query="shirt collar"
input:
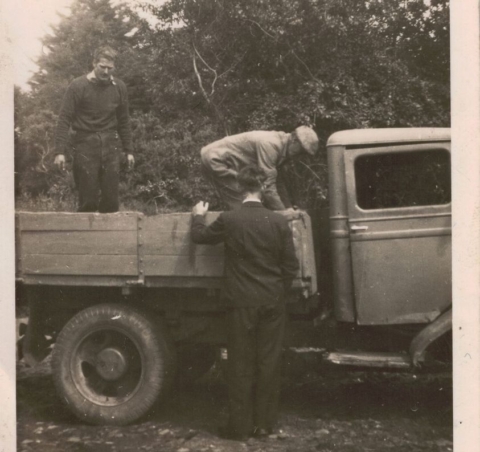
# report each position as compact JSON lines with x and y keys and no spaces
{"x":91,"y":78}
{"x":251,"y":199}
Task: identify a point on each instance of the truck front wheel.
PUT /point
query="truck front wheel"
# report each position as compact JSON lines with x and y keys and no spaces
{"x":111,"y":363}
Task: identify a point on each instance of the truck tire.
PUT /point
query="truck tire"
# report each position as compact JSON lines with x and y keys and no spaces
{"x":111,"y":363}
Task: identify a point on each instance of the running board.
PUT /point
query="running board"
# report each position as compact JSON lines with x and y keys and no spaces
{"x":372,"y":360}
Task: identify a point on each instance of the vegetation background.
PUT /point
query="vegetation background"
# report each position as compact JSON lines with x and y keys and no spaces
{"x":197,"y":70}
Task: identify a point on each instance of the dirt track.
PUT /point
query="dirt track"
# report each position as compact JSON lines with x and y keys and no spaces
{"x":337,"y":412}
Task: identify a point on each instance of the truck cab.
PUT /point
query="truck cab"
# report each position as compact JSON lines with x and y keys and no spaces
{"x":390,"y":230}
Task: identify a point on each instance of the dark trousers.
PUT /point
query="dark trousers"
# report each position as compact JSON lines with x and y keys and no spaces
{"x":96,"y":167}
{"x":255,"y":341}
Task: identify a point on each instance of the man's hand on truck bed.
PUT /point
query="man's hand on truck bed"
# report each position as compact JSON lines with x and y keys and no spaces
{"x":201,"y":208}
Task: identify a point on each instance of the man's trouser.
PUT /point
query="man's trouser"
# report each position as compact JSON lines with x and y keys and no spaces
{"x":226,"y":187}
{"x":255,"y":341}
{"x":96,"y":167}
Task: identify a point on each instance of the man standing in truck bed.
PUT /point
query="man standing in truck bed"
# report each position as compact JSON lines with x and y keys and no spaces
{"x":223,"y":159}
{"x":95,"y":106}
{"x":260,"y":265}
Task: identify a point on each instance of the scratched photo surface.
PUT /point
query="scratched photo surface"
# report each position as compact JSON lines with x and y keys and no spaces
{"x":120,"y":320}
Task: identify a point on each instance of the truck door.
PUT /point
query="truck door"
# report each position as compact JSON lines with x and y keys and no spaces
{"x":400,"y":232}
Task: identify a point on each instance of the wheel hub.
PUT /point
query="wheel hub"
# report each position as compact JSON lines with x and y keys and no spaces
{"x":111,"y":364}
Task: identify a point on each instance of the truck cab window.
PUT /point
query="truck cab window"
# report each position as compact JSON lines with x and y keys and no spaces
{"x":404,"y":179}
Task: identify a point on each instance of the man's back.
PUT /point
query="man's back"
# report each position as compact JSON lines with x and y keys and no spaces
{"x":260,"y":265}
{"x":260,"y":256}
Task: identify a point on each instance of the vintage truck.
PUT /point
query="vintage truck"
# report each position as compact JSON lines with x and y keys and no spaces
{"x":129,"y":302}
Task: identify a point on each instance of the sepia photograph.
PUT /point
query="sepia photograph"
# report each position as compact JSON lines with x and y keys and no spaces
{"x":241,"y":225}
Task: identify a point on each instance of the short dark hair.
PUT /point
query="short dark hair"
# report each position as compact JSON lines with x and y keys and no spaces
{"x":104,"y":52}
{"x":251,"y":179}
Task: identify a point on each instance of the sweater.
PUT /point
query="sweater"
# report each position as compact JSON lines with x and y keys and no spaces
{"x":90,"y":106}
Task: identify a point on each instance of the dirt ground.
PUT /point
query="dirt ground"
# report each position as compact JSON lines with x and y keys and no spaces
{"x":320,"y":412}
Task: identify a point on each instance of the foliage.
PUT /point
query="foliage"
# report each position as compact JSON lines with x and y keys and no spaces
{"x":210,"y":68}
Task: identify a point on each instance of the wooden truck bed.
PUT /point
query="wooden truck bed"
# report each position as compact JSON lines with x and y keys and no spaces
{"x":131,"y":249}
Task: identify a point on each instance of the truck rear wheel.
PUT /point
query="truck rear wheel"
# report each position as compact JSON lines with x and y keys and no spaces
{"x":111,"y":363}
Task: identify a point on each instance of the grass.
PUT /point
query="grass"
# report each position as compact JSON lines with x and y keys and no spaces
{"x":44,"y":203}
{"x":68,"y":203}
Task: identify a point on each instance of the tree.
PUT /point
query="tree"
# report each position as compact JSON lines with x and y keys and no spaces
{"x":68,"y":53}
{"x":276,"y":64}
{"x":211,"y":68}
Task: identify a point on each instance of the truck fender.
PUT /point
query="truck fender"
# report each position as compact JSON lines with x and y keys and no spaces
{"x":429,"y":334}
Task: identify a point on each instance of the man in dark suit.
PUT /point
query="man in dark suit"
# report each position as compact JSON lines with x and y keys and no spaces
{"x":260,"y":265}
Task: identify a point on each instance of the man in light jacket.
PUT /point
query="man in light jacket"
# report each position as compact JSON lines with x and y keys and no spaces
{"x":223,"y":159}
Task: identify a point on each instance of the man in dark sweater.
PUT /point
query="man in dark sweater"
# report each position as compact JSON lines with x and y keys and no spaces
{"x":260,"y":265}
{"x":95,"y":106}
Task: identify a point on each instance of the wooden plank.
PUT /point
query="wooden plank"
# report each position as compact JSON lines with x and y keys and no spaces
{"x":65,"y":221}
{"x":162,"y":242}
{"x":175,"y":222}
{"x":79,"y":242}
{"x":51,"y":264}
{"x":185,"y":282}
{"x":80,"y":280}
{"x":204,"y":266}
{"x":304,"y":250}
{"x":171,"y":222}
{"x":169,"y":234}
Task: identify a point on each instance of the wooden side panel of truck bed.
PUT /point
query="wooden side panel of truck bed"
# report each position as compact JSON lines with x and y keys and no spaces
{"x":128,"y":249}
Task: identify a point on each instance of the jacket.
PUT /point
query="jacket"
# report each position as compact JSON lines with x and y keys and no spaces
{"x":267,"y":149}
{"x":260,"y":260}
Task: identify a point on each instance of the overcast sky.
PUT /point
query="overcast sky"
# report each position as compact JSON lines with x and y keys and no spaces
{"x":27,"y":22}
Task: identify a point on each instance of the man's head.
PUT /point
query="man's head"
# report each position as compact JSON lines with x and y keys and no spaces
{"x":251,"y":180}
{"x":303,"y":139}
{"x":104,"y":63}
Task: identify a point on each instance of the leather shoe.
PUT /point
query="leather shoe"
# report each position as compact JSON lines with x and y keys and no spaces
{"x":262,"y":432}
